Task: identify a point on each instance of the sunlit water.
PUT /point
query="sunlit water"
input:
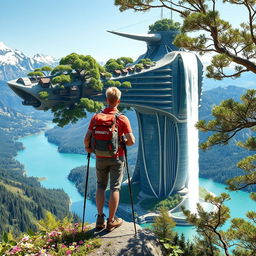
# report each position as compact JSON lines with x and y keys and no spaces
{"x":191,"y":83}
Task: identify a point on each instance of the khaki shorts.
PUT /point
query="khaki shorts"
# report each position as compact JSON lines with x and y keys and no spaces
{"x":109,"y":166}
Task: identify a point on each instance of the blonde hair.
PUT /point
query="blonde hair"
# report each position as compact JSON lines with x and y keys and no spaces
{"x":113,"y":94}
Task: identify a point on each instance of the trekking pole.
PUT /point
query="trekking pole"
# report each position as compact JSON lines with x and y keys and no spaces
{"x":85,"y":189}
{"x":130,"y":188}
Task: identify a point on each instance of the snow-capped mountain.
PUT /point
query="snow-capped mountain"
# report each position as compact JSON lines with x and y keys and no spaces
{"x":14,"y":63}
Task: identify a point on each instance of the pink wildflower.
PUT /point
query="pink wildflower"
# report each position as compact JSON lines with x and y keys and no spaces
{"x":25,"y":239}
{"x":88,"y":246}
{"x":81,"y":242}
{"x":15,"y":249}
{"x":68,"y":252}
{"x":63,"y":246}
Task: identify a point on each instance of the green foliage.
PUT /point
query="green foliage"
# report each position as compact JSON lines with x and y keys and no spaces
{"x":64,"y":115}
{"x":111,"y":83}
{"x":244,"y":231}
{"x":208,"y":224}
{"x":212,"y":239}
{"x":95,"y":84}
{"x":163,"y":225}
{"x":154,"y":204}
{"x":55,"y":238}
{"x":77,"y":176}
{"x":61,"y":79}
{"x":85,"y":66}
{"x":249,"y":178}
{"x":43,"y":95}
{"x":114,"y":64}
{"x":36,"y":74}
{"x":84,"y":69}
{"x":90,"y":105}
{"x":139,"y":67}
{"x":146,"y":61}
{"x":50,"y":222}
{"x":39,"y":72}
{"x":172,"y":250}
{"x":163,"y":25}
{"x":124,"y":61}
{"x":107,"y":75}
{"x":71,"y":114}
{"x":75,"y":67}
{"x":46,"y":68}
{"x":61,"y":69}
{"x":126,"y":84}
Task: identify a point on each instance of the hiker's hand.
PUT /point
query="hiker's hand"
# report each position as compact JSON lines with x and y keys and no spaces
{"x":89,"y":150}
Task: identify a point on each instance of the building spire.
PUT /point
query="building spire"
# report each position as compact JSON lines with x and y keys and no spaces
{"x":154,"y":37}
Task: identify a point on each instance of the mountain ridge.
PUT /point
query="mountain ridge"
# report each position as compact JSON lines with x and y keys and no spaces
{"x":14,"y":63}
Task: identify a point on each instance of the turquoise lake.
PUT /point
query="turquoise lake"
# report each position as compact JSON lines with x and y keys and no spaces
{"x":42,"y":159}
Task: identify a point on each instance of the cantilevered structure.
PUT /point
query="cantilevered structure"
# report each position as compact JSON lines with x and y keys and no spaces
{"x":159,"y":95}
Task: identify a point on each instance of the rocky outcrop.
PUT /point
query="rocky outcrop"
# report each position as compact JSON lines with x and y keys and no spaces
{"x":123,"y":242}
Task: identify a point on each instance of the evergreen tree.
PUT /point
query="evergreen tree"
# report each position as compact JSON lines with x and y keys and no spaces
{"x":163,"y":225}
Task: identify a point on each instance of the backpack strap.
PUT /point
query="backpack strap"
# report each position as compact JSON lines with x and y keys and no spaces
{"x":117,"y":114}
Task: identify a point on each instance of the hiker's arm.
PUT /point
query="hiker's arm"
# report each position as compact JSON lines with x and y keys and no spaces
{"x":87,"y":141}
{"x":130,"y":139}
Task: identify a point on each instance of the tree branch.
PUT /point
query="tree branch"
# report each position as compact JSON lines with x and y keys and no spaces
{"x":251,"y":19}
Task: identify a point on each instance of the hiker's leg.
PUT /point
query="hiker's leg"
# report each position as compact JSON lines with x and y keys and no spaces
{"x":102,"y":172}
{"x":113,"y":203}
{"x":116,"y":177}
{"x":100,"y":200}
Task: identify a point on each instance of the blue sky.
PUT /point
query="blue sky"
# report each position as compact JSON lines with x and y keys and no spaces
{"x":59,"y":27}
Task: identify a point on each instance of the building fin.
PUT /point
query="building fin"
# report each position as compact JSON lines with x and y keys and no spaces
{"x":154,"y":37}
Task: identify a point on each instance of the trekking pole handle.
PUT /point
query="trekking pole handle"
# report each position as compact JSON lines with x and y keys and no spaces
{"x":124,"y":144}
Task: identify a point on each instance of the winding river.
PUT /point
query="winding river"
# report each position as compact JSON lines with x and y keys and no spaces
{"x":42,"y":159}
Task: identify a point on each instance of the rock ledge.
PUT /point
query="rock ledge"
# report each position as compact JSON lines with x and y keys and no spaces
{"x":122,"y":242}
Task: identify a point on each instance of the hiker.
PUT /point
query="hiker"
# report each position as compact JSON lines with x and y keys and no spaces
{"x":106,"y":163}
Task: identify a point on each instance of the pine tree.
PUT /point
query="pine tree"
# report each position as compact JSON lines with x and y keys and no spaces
{"x":163,"y":225}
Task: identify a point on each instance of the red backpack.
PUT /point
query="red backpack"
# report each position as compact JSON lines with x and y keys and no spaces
{"x":105,"y":140}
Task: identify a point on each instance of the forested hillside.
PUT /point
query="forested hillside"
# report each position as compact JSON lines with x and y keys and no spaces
{"x":219,"y":162}
{"x":22,"y":199}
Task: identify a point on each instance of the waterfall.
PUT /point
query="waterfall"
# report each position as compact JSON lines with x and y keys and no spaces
{"x":191,"y":83}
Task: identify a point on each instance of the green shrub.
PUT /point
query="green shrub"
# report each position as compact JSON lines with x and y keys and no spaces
{"x":95,"y":84}
{"x":36,"y":74}
{"x":43,"y":95}
{"x":61,"y":79}
{"x":163,"y":25}
{"x":111,"y":83}
{"x":126,"y":84}
{"x":154,"y":204}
